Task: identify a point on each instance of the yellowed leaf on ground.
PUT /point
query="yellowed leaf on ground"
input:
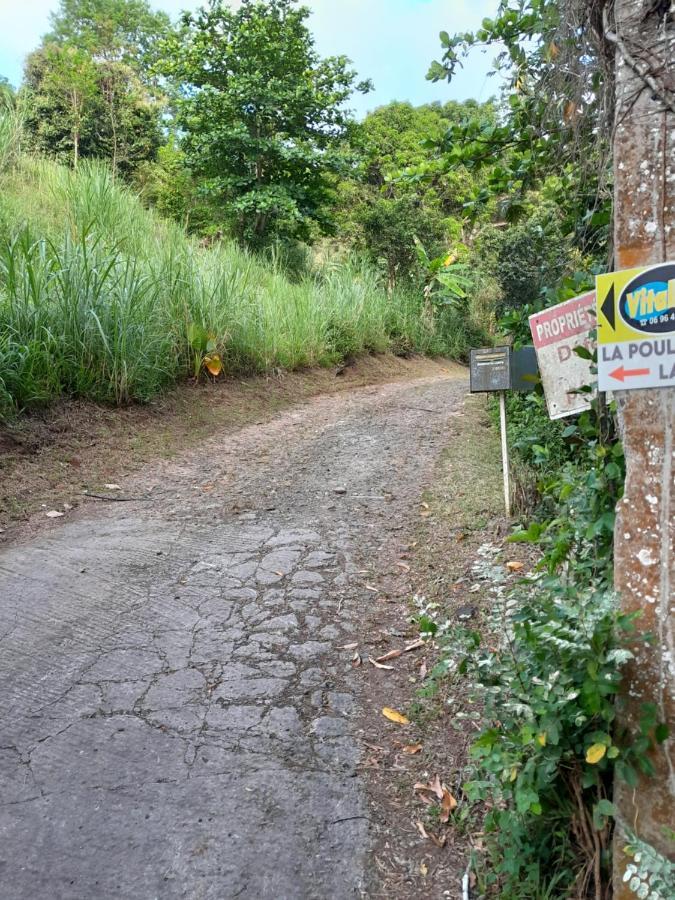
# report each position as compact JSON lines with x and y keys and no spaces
{"x":541,"y":739}
{"x":214,"y":364}
{"x":515,"y":565}
{"x":595,"y":753}
{"x":412,"y":749}
{"x":395,"y":716}
{"x":424,"y":868}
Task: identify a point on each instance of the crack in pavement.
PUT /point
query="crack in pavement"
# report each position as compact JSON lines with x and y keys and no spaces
{"x":172,"y":684}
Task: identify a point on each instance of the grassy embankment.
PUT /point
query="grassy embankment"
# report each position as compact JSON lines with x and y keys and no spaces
{"x":98,"y":294}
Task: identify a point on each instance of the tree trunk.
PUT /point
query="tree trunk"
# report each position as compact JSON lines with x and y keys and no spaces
{"x":644,"y":233}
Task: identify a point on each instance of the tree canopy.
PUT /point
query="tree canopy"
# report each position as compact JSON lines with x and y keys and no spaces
{"x":263,"y":116}
{"x":88,"y":85}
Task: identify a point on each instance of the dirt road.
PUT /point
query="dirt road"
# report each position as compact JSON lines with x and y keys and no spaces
{"x":178,"y":719}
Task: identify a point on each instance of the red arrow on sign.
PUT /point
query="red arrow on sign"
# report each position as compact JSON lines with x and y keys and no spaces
{"x":621,"y":374}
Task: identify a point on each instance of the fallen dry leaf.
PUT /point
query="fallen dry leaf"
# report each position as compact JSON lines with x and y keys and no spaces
{"x":404,"y":566}
{"x":436,"y":786}
{"x":375,"y":590}
{"x":279,"y":573}
{"x":351,"y":646}
{"x":54,"y":514}
{"x":448,"y":803}
{"x":112,"y":487}
{"x":515,"y":565}
{"x":423,"y":670}
{"x":433,"y":787}
{"x":425,"y":505}
{"x":430,"y":836}
{"x":412,"y":749}
{"x":356,"y":660}
{"x":424,"y":870}
{"x":394,"y":654}
{"x":395,"y":716}
{"x":379,"y":665}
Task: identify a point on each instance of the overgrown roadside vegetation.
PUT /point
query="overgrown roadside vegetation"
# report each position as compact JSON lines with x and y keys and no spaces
{"x":100,"y":298}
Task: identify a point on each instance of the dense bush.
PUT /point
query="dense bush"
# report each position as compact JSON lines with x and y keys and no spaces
{"x":526,"y":257}
{"x":546,"y":674}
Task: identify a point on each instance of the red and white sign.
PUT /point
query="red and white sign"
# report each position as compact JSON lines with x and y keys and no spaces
{"x":556,"y":332}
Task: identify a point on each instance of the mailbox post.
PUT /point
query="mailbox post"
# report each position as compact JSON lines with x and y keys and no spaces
{"x":496,"y":370}
{"x":490,"y":371}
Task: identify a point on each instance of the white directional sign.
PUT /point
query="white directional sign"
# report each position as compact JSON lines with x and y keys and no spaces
{"x":636,"y":328}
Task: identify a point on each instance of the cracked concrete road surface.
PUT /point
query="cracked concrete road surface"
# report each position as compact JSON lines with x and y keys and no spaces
{"x":177,"y":717}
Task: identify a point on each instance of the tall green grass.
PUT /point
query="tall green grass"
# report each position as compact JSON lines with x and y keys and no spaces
{"x":97,"y":296}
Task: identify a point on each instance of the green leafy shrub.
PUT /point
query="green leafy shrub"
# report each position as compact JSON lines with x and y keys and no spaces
{"x":546,"y":675}
{"x":526,"y":257}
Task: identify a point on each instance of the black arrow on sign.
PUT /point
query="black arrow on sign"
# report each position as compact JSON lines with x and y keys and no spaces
{"x":608,"y":308}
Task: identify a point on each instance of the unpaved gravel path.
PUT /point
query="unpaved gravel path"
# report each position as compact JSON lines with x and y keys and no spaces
{"x":178,"y":719}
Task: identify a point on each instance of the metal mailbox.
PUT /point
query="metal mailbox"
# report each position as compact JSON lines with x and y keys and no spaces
{"x":490,"y":369}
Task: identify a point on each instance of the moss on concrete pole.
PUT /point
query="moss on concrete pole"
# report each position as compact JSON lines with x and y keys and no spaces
{"x":644,"y":233}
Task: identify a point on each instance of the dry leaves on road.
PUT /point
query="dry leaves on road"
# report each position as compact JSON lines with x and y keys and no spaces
{"x":434,"y":790}
{"x":394,"y":654}
{"x":412,"y":749}
{"x":430,"y":836}
{"x":378,"y":665}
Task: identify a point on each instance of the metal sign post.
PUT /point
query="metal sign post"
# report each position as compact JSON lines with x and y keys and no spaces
{"x":505,"y":453}
{"x":490,"y":370}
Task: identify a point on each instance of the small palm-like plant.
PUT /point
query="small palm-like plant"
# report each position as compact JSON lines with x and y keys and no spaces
{"x":205,"y":351}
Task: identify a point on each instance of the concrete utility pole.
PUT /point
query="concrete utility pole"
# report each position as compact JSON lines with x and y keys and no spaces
{"x":644,"y":233}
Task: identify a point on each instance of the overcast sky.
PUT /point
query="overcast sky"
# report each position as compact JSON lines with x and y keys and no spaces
{"x":390,"y":41}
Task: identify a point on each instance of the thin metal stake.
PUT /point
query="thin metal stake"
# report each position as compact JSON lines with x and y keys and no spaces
{"x":505,"y":453}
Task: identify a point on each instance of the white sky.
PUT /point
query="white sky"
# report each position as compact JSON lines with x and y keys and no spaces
{"x":390,"y":41}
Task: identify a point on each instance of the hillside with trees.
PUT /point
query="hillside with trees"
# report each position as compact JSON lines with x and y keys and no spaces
{"x":187,"y":200}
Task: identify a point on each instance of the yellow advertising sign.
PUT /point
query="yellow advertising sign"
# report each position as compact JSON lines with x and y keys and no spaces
{"x":636,"y":328}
